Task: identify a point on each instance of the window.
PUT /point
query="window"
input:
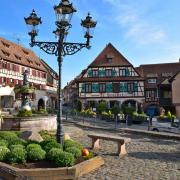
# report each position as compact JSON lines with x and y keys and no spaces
{"x":102,"y":87}
{"x":108,"y":72}
{"x":4,"y":65}
{"x":88,"y":88}
{"x":109,"y":58}
{"x":122,"y":72}
{"x":25,"y":52}
{"x":5,"y":53}
{"x":95,"y":73}
{"x":152,"y":94}
{"x":152,"y":80}
{"x":3,"y":80}
{"x":130,"y":87}
{"x":17,"y":57}
{"x":116,"y":87}
{"x":5,"y":44}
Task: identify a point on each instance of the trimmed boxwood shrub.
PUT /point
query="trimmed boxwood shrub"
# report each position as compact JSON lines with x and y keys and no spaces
{"x":53,"y":153}
{"x":16,"y":146}
{"x":3,"y":142}
{"x":36,"y":154}
{"x":46,"y":135}
{"x":17,"y":155}
{"x":7,"y":134}
{"x":65,"y":159}
{"x":70,"y":143}
{"x":48,"y":144}
{"x":3,"y":152}
{"x":16,"y":141}
{"x":32,"y":146}
{"x":74,"y":151}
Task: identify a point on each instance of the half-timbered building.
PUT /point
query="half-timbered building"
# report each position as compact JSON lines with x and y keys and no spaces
{"x":158,"y":89}
{"x":14,"y":60}
{"x":111,"y":78}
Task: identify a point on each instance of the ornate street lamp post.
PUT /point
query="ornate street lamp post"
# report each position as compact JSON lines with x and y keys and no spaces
{"x":64,"y":12}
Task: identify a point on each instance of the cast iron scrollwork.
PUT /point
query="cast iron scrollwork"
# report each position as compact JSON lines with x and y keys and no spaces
{"x":48,"y":47}
{"x":52,"y":47}
{"x":72,"y":48}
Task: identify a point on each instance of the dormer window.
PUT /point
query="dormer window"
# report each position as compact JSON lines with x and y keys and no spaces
{"x":5,"y":53}
{"x":5,"y":44}
{"x":109,"y":58}
{"x":25,"y":52}
{"x":29,"y":61}
{"x":17,"y":57}
{"x":37,"y":64}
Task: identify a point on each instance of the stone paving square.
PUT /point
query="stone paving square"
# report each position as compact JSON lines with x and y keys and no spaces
{"x":148,"y":158}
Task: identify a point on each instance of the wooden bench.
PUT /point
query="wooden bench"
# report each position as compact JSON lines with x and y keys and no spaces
{"x":121,"y":141}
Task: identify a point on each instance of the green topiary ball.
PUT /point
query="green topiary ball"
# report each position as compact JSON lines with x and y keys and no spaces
{"x":53,"y":153}
{"x":74,"y":151}
{"x":65,"y":159}
{"x":3,"y":152}
{"x":16,"y":146}
{"x":32,"y":146}
{"x":17,"y":141}
{"x":35,"y":154}
{"x":70,"y":143}
{"x":47,"y":145}
{"x":17,"y":155}
{"x":3,"y":142}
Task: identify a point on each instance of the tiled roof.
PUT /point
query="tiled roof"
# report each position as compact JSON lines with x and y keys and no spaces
{"x":110,"y":79}
{"x":20,"y":55}
{"x":160,"y":71}
{"x":110,"y":52}
{"x":50,"y":70}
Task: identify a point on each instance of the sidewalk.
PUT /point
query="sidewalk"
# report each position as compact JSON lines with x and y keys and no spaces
{"x":110,"y":126}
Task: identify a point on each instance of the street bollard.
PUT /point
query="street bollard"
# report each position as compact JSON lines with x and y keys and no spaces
{"x":115,"y":122}
{"x":66,"y":116}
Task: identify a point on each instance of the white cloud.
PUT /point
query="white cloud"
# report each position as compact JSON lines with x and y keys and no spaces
{"x":135,"y":24}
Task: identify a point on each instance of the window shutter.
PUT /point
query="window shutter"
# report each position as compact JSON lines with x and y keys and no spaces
{"x":109,"y":87}
{"x":127,"y":72}
{"x":95,"y":88}
{"x":8,"y":66}
{"x":113,"y":72}
{"x":83,"y":88}
{"x":135,"y":86}
{"x":121,"y":87}
{"x":0,"y":80}
{"x":125,"y":87}
{"x":90,"y":73}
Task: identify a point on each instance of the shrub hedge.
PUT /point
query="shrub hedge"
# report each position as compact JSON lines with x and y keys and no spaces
{"x":48,"y":144}
{"x":74,"y":151}
{"x":53,"y":153}
{"x":3,"y":152}
{"x":65,"y":159}
{"x":70,"y":143}
{"x":17,"y":155}
{"x":36,"y":153}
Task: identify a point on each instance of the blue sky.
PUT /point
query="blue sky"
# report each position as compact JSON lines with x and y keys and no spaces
{"x":144,"y":31}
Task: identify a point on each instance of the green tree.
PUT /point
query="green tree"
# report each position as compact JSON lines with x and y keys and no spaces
{"x":102,"y":106}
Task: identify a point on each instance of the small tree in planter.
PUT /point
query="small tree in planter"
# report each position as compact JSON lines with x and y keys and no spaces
{"x":101,"y":107}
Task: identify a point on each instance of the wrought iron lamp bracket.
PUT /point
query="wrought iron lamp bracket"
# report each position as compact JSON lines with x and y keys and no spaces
{"x":52,"y":47}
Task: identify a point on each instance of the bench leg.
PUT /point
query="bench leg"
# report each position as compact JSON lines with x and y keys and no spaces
{"x":121,"y":149}
{"x":95,"y":144}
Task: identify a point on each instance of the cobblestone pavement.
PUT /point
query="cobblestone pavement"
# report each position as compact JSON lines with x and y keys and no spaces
{"x":147,"y":159}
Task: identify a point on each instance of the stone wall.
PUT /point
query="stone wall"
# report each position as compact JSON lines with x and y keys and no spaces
{"x":29,"y":123}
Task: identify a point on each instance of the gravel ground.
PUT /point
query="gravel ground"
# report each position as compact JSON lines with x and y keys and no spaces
{"x":147,"y":159}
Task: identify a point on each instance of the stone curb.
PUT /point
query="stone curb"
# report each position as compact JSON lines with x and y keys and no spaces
{"x":133,"y":131}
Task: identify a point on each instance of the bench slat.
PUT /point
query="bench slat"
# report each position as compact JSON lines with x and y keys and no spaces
{"x":109,"y":137}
